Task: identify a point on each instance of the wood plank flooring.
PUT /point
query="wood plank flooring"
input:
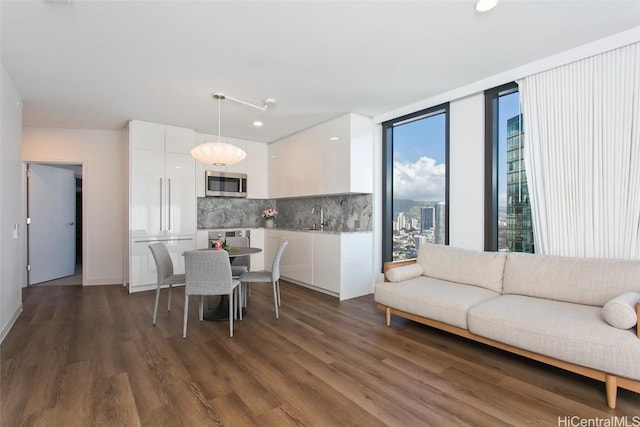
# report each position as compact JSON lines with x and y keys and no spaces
{"x":89,"y":356}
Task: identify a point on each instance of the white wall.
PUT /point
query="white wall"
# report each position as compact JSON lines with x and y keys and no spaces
{"x":466,"y":172}
{"x":104,"y":197}
{"x":11,"y":262}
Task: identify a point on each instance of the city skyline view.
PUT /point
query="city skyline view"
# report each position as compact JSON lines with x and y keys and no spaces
{"x":419,"y":182}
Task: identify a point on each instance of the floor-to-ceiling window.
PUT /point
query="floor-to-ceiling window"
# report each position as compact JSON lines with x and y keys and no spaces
{"x":508,"y":224}
{"x":415,"y":181}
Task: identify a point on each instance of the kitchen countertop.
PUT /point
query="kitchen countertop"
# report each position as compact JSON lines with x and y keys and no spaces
{"x":310,"y":230}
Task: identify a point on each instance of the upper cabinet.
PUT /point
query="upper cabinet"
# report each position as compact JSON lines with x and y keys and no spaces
{"x":335,"y":157}
{"x":158,"y":137}
{"x":254,"y":166}
{"x":162,"y":198}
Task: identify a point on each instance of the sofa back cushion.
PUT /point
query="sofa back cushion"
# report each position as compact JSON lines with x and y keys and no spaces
{"x":483,"y":269}
{"x":587,"y":281}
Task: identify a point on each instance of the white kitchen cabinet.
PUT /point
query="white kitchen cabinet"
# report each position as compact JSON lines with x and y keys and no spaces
{"x":142,"y":268}
{"x":272,"y":239}
{"x":179,"y":140}
{"x":162,"y":194}
{"x":337,"y":264}
{"x":162,"y":201}
{"x":180,"y":194}
{"x":257,"y":177}
{"x":296,"y":260}
{"x":335,"y":157}
{"x":146,"y":186}
{"x":146,"y":135}
{"x":295,"y":263}
{"x":356,"y":265}
{"x":326,"y":261}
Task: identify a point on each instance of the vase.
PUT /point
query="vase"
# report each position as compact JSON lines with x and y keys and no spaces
{"x":269,"y":222}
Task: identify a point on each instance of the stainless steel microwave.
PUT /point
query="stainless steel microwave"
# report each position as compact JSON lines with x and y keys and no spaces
{"x":225,"y":184}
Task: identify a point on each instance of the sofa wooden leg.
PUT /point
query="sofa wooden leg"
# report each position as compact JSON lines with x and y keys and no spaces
{"x":612,"y":390}
{"x":388,"y":316}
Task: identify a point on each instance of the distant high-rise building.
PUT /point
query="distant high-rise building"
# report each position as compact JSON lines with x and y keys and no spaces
{"x":519,"y":225}
{"x":426,"y":219}
{"x":440,"y":223}
{"x":419,"y":241}
{"x":402,"y":221}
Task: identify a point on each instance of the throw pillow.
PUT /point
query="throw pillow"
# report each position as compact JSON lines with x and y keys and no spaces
{"x":620,"y":312}
{"x":405,"y":272}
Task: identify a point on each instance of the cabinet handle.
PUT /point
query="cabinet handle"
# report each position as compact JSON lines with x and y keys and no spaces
{"x":161,"y":204}
{"x":164,"y":240}
{"x":169,"y":204}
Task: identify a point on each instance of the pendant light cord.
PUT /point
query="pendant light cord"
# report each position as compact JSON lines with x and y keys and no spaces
{"x":219,"y":108}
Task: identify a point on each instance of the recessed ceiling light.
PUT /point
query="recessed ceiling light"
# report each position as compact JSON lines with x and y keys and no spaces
{"x":257,"y":123}
{"x":486,"y":5}
{"x":334,"y":138}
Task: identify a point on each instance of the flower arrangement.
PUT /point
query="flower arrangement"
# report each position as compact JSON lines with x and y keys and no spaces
{"x":221,"y":245}
{"x":269,"y":213}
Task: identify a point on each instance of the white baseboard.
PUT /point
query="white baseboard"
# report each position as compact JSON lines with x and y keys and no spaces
{"x":100,"y":282}
{"x":10,"y":323}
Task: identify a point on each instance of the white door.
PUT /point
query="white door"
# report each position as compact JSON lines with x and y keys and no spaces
{"x":52,"y":232}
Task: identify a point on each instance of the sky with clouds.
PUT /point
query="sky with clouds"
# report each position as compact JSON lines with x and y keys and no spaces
{"x":419,"y":171}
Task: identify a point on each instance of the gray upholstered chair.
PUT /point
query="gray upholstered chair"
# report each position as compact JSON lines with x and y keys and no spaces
{"x":208,"y":272}
{"x":238,"y":264}
{"x":272,"y":276}
{"x":164,"y":267}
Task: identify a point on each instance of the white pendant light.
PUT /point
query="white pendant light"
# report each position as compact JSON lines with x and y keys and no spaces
{"x":485,"y":5}
{"x":218,"y":153}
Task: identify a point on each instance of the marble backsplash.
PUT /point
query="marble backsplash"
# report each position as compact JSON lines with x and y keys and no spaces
{"x":342,"y":213}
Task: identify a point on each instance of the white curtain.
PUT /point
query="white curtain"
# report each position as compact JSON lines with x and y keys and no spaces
{"x":582,"y":155}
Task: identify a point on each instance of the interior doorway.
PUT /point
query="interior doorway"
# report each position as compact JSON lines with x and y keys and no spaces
{"x":54,"y":231}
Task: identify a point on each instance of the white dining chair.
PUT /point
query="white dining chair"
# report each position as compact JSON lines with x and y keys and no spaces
{"x":272,"y":277}
{"x":164,"y":267}
{"x":208,"y":272}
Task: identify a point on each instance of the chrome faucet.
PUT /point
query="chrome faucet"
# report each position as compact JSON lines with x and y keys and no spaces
{"x":322,"y":223}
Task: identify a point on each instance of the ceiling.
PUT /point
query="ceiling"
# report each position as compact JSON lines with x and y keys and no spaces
{"x":98,"y":64}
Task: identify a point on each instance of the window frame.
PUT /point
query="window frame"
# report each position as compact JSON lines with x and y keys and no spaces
{"x":387,"y":173}
{"x":491,"y":142}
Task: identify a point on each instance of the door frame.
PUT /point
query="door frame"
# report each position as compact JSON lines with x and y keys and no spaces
{"x":25,"y":210}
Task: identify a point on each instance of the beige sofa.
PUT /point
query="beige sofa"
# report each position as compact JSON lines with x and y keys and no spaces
{"x":574,"y":313}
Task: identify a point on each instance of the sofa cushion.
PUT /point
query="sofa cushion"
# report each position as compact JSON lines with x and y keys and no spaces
{"x":477,"y":268}
{"x":578,"y":280}
{"x":574,"y":333}
{"x":405,"y":272}
{"x":620,"y":312}
{"x":432,"y":298}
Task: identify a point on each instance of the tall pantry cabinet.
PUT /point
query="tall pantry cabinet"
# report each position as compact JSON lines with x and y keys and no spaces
{"x":162,"y":198}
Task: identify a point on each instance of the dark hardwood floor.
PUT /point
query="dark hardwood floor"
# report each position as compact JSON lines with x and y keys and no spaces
{"x":89,"y":356}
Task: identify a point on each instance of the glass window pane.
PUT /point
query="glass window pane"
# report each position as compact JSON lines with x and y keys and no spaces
{"x":419,"y":184}
{"x":514,"y":211}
